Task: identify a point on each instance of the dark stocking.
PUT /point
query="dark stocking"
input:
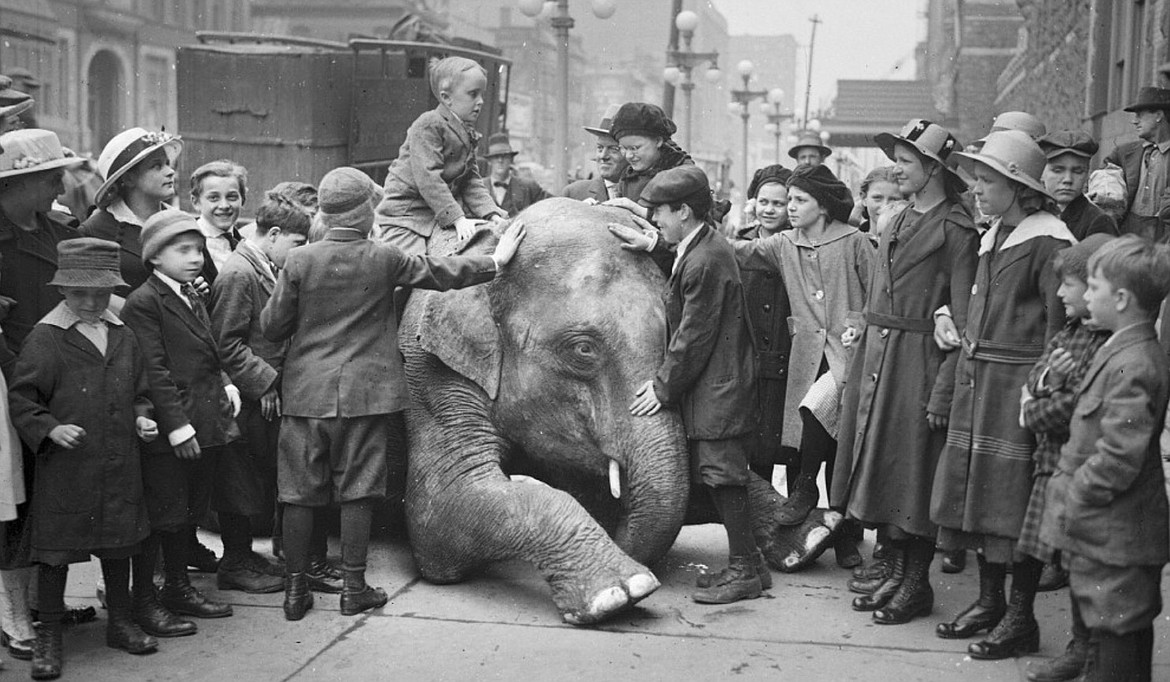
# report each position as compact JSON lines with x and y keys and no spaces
{"x":319,"y":540}
{"x":176,"y":546}
{"x":236,"y":533}
{"x":116,"y":573}
{"x":298,"y":527}
{"x":732,"y":503}
{"x":355,"y":533}
{"x":142,"y":564}
{"x":816,"y":446}
{"x":51,"y":592}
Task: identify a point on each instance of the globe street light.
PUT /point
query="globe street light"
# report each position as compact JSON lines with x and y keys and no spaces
{"x":682,"y":63}
{"x":772,"y":108}
{"x":740,"y":101}
{"x":561,"y":23}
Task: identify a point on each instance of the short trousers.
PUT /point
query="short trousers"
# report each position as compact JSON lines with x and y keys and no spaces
{"x":178,"y":491}
{"x":721,"y":462}
{"x":342,"y":459}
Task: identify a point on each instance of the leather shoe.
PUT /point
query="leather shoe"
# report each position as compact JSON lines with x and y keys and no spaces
{"x":21,"y":649}
{"x":1067,"y":666}
{"x":298,"y":598}
{"x":708,"y":579}
{"x":202,"y":559}
{"x":738,"y":581}
{"x":74,"y":615}
{"x":1007,"y":642}
{"x":879,"y":570}
{"x":155,"y":620}
{"x":123,"y":633}
{"x":972,"y":620}
{"x":1052,"y":578}
{"x":355,"y":601}
{"x":243,"y":577}
{"x":181,"y":598}
{"x":322,"y":577}
{"x":954,"y":562}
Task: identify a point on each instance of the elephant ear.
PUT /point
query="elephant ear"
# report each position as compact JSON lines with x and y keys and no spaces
{"x":457,"y":327}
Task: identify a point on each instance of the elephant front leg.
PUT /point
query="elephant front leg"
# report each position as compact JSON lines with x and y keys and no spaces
{"x":463,"y":527}
{"x":788,"y":548}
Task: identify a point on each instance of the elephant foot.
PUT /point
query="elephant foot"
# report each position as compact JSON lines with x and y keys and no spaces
{"x":792,"y":548}
{"x":607,"y":601}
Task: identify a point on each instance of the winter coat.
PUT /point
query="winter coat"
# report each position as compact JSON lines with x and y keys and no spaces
{"x":633,"y":182}
{"x":1083,"y":218}
{"x":238,"y":297}
{"x":28,"y":261}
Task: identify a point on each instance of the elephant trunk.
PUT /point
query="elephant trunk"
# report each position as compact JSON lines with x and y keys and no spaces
{"x":655,"y":486}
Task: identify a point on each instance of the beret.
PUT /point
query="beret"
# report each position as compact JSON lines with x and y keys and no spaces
{"x":822,"y":185}
{"x":641,"y":118}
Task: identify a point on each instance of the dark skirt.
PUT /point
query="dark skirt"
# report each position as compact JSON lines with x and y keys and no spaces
{"x":63,"y":557}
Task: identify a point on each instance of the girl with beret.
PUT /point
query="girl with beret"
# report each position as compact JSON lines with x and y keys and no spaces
{"x":898,"y":395}
{"x":984,"y":477}
{"x":643,"y":131}
{"x":825,"y":264}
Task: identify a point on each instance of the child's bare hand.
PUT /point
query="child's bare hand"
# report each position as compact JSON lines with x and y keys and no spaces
{"x":646,"y":401}
{"x":147,"y":429}
{"x":509,"y":242}
{"x":201,"y":286}
{"x":937,"y":422}
{"x":465,"y":227}
{"x":188,"y":449}
{"x":946,"y":334}
{"x":499,"y":219}
{"x":1060,"y":365}
{"x":233,"y":395}
{"x":68,"y":436}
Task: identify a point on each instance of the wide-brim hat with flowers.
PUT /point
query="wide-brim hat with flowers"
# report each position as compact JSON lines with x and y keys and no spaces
{"x":127,"y":149}
{"x":1013,"y":154}
{"x":928,"y":139}
{"x":31,"y":150}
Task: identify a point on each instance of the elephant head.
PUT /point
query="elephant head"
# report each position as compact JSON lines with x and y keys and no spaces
{"x":557,"y":346}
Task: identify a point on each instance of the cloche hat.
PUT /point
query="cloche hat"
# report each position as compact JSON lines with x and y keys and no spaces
{"x":128,"y":148}
{"x":927,"y":138}
{"x":822,"y":185}
{"x":164,"y":226}
{"x":1012,"y":154}
{"x":88,"y":262}
{"x":346,"y":198}
{"x":31,"y":150}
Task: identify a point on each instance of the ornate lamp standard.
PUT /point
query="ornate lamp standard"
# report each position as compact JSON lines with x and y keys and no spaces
{"x":772,"y":109}
{"x":739,"y":105}
{"x":561,"y":23}
{"x":681,"y":64}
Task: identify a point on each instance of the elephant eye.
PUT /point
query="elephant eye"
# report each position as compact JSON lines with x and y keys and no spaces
{"x":585,"y":349}
{"x":580,"y":353}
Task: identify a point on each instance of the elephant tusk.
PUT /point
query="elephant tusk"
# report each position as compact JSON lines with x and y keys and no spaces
{"x":615,"y":480}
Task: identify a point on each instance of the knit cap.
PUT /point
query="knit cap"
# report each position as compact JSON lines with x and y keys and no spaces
{"x":88,"y":263}
{"x":822,"y":185}
{"x":345,"y":199}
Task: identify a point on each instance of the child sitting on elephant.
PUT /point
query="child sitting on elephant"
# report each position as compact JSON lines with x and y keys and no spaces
{"x":709,"y":369}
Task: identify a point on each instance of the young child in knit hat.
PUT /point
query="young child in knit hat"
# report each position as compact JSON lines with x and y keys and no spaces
{"x":79,"y":401}
{"x":435,"y":184}
{"x":343,"y":377}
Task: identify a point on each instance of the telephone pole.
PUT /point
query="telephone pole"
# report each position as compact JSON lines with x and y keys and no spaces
{"x":808,"y":82}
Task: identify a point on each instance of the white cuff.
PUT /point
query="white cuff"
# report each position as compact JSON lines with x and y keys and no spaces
{"x":181,"y":435}
{"x":653,"y":241}
{"x":943,"y":310}
{"x":232,"y":391}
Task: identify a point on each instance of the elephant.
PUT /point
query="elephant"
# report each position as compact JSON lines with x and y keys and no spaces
{"x":532,"y":374}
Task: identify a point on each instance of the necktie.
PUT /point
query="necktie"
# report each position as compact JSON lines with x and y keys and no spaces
{"x":501,"y":184}
{"x":195,"y":301}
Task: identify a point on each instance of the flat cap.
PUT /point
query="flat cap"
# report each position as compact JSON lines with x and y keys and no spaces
{"x":1068,"y":142}
{"x":675,"y":185}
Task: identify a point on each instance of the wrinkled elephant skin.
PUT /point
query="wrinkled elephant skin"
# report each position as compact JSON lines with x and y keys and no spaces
{"x":533,"y":374}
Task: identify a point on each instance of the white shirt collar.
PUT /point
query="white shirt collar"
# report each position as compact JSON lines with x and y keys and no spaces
{"x":174,"y":284}
{"x":682,"y":247}
{"x":61,"y":316}
{"x":209,"y":230}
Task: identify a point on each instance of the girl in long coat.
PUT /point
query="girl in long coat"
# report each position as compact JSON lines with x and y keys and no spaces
{"x":984,"y":479}
{"x":899,"y":391}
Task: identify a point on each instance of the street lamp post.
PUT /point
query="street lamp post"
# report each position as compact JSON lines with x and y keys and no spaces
{"x":561,"y":22}
{"x":740,"y":101}
{"x":772,"y":109}
{"x":681,"y":64}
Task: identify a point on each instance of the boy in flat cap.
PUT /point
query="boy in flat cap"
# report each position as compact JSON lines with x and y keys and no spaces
{"x":79,"y":400}
{"x":709,"y":371}
{"x":196,"y":405}
{"x":1065,"y":175}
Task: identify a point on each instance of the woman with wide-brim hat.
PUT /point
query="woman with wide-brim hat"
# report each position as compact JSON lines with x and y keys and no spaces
{"x":137,"y":168}
{"x":984,"y":478}
{"x":32,"y":166}
{"x":643,"y":132}
{"x":898,"y":396}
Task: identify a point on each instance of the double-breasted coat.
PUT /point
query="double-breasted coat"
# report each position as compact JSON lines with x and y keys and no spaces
{"x":90,"y":497}
{"x":1107,"y":498}
{"x":984,"y":477}
{"x":887,"y":453}
{"x":709,"y":371}
{"x":826,"y":281}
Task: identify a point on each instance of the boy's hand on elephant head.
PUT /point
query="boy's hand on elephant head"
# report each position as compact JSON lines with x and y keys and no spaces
{"x":646,"y":401}
{"x":509,"y":242}
{"x":634,"y":240}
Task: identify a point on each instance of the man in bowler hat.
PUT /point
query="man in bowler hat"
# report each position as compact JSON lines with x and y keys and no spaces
{"x":511,"y":192}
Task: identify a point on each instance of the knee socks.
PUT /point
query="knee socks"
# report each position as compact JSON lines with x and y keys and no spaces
{"x":116,"y":573}
{"x":319,"y":539}
{"x":236,"y":533}
{"x":51,"y":587}
{"x":355,"y":533}
{"x":732,"y":503}
{"x":142,"y":565}
{"x":816,"y":446}
{"x":298,"y":527}
{"x":175,"y":551}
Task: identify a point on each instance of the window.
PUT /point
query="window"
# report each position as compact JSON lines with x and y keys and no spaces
{"x":1128,"y":56}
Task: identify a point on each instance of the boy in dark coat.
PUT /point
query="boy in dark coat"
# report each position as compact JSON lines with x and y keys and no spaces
{"x":195,"y":404}
{"x":78,"y":399}
{"x":1106,"y":507}
{"x":343,"y":375}
{"x":709,"y":371}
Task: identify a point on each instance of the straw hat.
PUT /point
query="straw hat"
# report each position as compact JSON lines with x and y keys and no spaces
{"x":31,"y":150}
{"x":1014,"y":155}
{"x":808,"y":138}
{"x":128,"y":148}
{"x":88,"y":262}
{"x":928,"y":139}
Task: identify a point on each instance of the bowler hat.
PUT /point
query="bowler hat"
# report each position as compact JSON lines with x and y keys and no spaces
{"x":929,"y":139}
{"x":675,"y":185}
{"x":1014,"y":155}
{"x":808,"y":138}
{"x":1017,"y":120}
{"x":822,"y":185}
{"x":1076,"y":142}
{"x":346,"y":198}
{"x":499,"y":145}
{"x":162,"y":227}
{"x":126,"y":150}
{"x":602,"y":128}
{"x":641,"y":118}
{"x":88,"y":262}
{"x":31,"y":150}
{"x":1150,"y":98}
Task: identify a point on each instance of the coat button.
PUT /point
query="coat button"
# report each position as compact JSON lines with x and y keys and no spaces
{"x":767,"y":340}
{"x":767,"y":307}
{"x":819,"y":294}
{"x":873,"y":378}
{"x":884,"y":333}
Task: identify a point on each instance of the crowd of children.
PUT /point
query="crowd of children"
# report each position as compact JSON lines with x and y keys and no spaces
{"x":159,"y":364}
